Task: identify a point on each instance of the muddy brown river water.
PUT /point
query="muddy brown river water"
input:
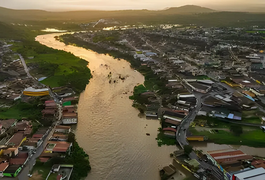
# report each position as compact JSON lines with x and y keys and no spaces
{"x":109,"y":128}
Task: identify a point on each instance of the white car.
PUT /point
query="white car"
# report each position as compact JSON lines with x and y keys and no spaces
{"x":29,"y":175}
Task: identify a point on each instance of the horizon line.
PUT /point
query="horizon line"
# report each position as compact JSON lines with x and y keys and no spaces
{"x":135,"y":9}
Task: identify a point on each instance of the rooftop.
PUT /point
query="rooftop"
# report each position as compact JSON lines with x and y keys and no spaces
{"x":258,"y":163}
{"x":16,"y":139}
{"x":7,"y":123}
{"x":19,"y":159}
{"x":3,"y":166}
{"x":229,"y":156}
{"x":66,"y":114}
{"x":63,"y":127}
{"x":70,"y":99}
{"x":12,"y":168}
{"x":253,"y":174}
{"x":58,"y":146}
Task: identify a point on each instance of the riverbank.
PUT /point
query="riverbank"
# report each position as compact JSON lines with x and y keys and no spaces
{"x":61,"y":69}
{"x":58,"y":67}
{"x":152,"y":81}
{"x":109,"y":128}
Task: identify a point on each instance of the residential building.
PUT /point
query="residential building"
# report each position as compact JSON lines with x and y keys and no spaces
{"x":227,"y":159}
{"x":63,"y":129}
{"x":16,"y":140}
{"x":250,"y":174}
{"x":69,"y":118}
{"x":12,"y":171}
{"x":3,"y":167}
{"x":58,"y":147}
{"x":36,"y":92}
{"x":20,"y":159}
{"x":6,"y":124}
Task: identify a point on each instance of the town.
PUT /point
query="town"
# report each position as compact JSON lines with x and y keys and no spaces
{"x":203,"y":84}
{"x":35,"y":125}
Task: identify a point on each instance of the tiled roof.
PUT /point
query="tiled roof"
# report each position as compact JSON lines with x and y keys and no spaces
{"x":229,"y":156}
{"x":7,"y":123}
{"x":16,"y":139}
{"x":63,"y":127}
{"x":3,"y":166}
{"x":60,"y":146}
{"x":258,"y":163}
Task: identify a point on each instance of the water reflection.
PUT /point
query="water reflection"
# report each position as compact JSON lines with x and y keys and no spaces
{"x":109,"y":128}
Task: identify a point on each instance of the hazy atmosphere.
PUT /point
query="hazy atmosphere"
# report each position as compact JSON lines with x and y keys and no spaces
{"x":132,"y":89}
{"x":127,"y":4}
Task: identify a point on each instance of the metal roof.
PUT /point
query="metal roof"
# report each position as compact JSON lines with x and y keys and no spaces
{"x":254,"y":174}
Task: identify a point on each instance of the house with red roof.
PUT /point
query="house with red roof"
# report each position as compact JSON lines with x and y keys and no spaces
{"x":3,"y":167}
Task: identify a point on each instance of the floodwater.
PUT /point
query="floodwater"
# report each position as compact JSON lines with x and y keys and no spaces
{"x":109,"y":129}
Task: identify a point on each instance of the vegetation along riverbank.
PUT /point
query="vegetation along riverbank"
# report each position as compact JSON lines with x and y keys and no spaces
{"x":41,"y":69}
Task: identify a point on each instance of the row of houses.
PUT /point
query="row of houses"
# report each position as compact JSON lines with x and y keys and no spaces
{"x":15,"y":153}
{"x":172,"y":119}
{"x":50,"y":111}
{"x":69,"y":112}
{"x":57,"y":144}
{"x":202,"y":86}
{"x":237,"y":165}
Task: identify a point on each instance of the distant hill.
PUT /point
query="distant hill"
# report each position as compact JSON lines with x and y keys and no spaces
{"x":9,"y":15}
{"x":7,"y":31}
{"x":255,"y":9}
{"x":189,"y":9}
{"x":189,"y":14}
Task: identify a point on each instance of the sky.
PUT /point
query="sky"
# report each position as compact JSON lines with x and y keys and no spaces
{"x":127,"y":4}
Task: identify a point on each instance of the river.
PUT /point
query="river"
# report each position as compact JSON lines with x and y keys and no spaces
{"x":109,"y":129}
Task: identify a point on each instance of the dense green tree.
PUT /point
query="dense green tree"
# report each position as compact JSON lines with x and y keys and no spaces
{"x":71,"y":137}
{"x":188,"y":149}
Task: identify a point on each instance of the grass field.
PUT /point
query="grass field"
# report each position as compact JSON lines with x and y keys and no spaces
{"x":212,"y":122}
{"x":52,"y":81}
{"x":252,"y":120}
{"x":20,"y":110}
{"x":254,"y":138}
{"x":255,"y":31}
{"x":60,"y":68}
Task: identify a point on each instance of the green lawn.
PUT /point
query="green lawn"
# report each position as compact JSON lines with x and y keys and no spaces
{"x":213,"y":122}
{"x":60,"y":67}
{"x":255,"y":31}
{"x":20,"y":110}
{"x":254,"y":138}
{"x":52,"y":81}
{"x":252,"y":120}
{"x":52,"y":176}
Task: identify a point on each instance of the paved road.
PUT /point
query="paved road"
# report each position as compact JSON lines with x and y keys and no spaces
{"x":23,"y":175}
{"x":181,"y":131}
{"x":25,"y":66}
{"x":181,"y":136}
